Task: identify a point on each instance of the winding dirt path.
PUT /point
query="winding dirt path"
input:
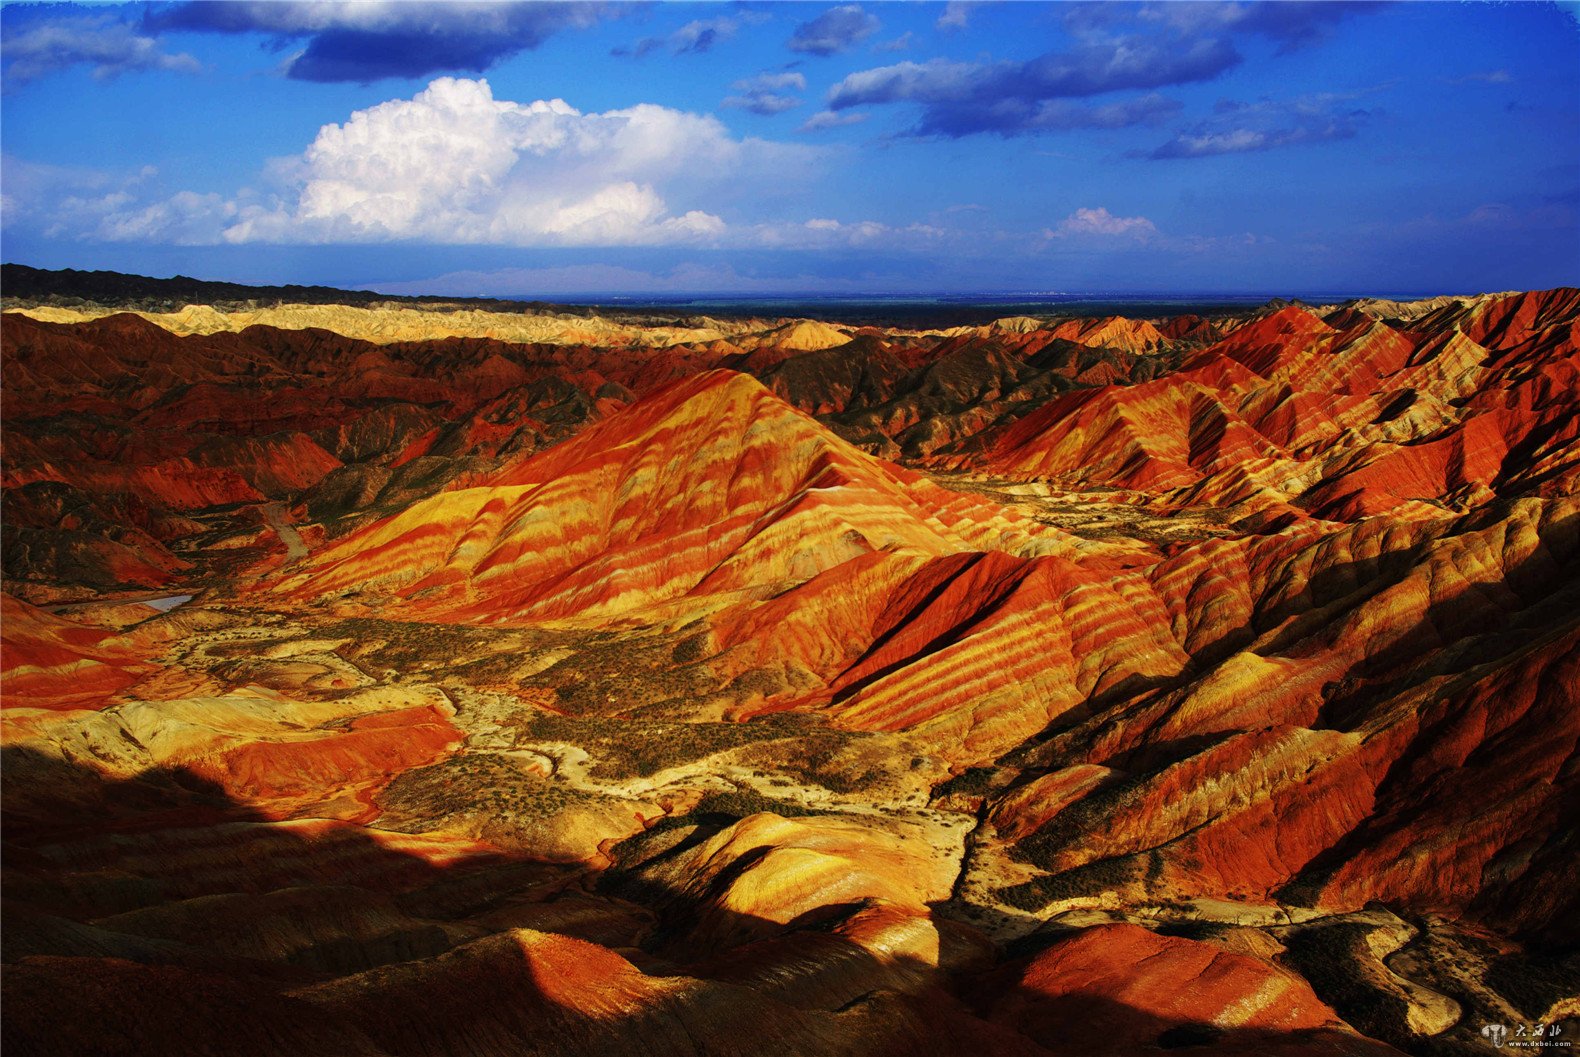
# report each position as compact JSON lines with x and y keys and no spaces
{"x":274,"y":514}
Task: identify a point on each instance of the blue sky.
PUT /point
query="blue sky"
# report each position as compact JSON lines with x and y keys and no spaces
{"x":777,"y":148}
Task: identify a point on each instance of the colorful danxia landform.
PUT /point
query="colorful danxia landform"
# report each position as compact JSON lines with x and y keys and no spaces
{"x":398,"y":678}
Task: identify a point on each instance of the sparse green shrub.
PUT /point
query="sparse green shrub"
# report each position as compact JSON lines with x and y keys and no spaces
{"x":1092,"y":879}
{"x":741,"y":802}
{"x":1328,"y":956}
{"x":480,"y":781}
{"x":973,"y":781}
{"x":623,"y":748}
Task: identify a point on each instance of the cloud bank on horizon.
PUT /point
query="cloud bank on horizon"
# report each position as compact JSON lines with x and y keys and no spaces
{"x":808,"y":147}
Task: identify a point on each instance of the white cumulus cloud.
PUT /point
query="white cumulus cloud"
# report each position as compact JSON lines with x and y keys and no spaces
{"x":455,"y":165}
{"x":1100,"y":221}
{"x":452,"y":165}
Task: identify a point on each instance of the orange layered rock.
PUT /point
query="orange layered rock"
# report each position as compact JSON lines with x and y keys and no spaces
{"x":1239,"y":818}
{"x":1510,"y":320}
{"x":53,"y":663}
{"x":766,"y":872}
{"x":1342,"y":423}
{"x":1264,"y":344}
{"x":1112,"y":331}
{"x":1190,"y":328}
{"x":1116,"y":989}
{"x":986,"y":659}
{"x":710,"y":487}
{"x":362,"y":757}
{"x":972,"y":652}
{"x":277,"y":755}
{"x":1472,"y":454}
{"x":172,"y":421}
{"x":1458,"y":822}
{"x":1158,"y":435}
{"x":1275,"y":766}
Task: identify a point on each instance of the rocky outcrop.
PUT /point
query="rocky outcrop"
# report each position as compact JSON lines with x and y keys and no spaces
{"x":1120,"y":989}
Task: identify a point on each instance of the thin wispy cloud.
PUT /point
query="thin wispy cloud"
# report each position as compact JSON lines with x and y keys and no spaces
{"x":105,"y":44}
{"x":1013,"y":98}
{"x":1292,"y":24}
{"x":773,"y":81}
{"x":767,"y":93}
{"x":835,"y":30}
{"x":957,"y":15}
{"x":827,"y":119}
{"x":1118,"y":49}
{"x":1483,"y":77}
{"x":1244,"y":128}
{"x":695,"y":37}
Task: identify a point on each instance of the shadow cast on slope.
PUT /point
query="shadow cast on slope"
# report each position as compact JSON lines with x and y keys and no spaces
{"x":81,"y":844}
{"x":91,"y":863}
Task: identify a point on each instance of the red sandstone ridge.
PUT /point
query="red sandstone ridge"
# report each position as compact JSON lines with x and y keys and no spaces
{"x":1137,"y":990}
{"x":1288,"y":412}
{"x":709,"y":489}
{"x":49,"y":662}
{"x":1113,"y":332}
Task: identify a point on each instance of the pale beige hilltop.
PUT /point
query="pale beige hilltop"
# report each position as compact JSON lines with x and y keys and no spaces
{"x":392,"y":322}
{"x":1384,"y":308}
{"x":799,"y":335}
{"x":387,"y":323}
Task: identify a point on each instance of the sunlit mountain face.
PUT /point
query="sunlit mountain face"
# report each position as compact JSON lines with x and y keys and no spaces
{"x":865,"y":529}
